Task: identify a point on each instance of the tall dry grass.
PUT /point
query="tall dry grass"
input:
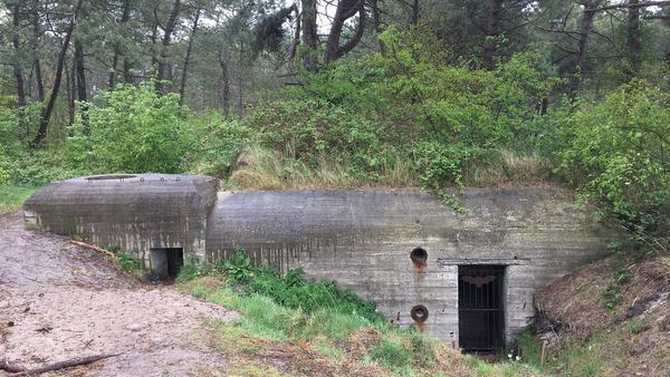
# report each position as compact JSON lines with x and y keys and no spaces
{"x":261,"y":169}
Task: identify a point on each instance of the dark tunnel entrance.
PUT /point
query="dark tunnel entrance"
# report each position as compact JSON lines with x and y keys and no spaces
{"x":481,"y":308}
{"x":166,"y":262}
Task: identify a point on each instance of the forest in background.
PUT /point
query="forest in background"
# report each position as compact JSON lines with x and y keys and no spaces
{"x":269,"y":94}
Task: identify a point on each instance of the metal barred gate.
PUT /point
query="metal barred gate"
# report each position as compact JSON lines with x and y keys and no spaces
{"x":481,"y":307}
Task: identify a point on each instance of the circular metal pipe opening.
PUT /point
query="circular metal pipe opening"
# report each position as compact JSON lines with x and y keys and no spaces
{"x":419,"y":313}
{"x":419,"y":256}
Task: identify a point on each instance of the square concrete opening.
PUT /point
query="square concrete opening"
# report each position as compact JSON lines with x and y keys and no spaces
{"x":166,"y":262}
{"x":481,"y":312}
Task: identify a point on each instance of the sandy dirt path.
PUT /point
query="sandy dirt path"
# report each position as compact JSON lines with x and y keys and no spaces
{"x":59,"y":301}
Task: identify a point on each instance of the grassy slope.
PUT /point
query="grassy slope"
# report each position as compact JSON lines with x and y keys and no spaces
{"x":614,"y":320}
{"x":12,"y":197}
{"x":273,"y":340}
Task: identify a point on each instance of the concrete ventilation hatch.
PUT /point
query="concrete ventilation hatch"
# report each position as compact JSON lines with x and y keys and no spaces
{"x":481,"y":319}
{"x":166,"y":263}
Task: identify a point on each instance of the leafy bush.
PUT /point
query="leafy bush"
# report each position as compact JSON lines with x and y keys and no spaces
{"x":129,"y":263}
{"x":134,"y":130}
{"x":293,"y":291}
{"x":405,"y":104}
{"x":4,"y":167}
{"x":616,"y":153}
{"x":221,"y":141}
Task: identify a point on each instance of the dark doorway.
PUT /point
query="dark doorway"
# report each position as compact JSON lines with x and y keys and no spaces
{"x":166,"y":262}
{"x":481,"y":308}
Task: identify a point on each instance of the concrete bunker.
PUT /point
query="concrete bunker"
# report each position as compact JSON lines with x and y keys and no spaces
{"x":522,"y":237}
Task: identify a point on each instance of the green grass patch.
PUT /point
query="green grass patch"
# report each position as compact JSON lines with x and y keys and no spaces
{"x":392,"y":354}
{"x":636,"y":326}
{"x":12,"y":197}
{"x":573,"y":359}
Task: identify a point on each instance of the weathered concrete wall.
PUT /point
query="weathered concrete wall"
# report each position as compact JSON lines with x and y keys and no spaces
{"x":363,"y":241}
{"x":132,"y":212}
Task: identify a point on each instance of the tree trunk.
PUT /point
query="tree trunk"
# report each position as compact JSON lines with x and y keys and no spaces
{"x":125,"y":16}
{"x":345,"y":10}
{"x":586,"y":28}
{"x":164,"y":72}
{"x":225,"y":85}
{"x":154,"y":51}
{"x":187,"y":58}
{"x":296,"y":37}
{"x":414,"y":17}
{"x":71,"y":88}
{"x":82,"y":88}
{"x":37,"y":65}
{"x":492,"y":32}
{"x":633,"y":40}
{"x":376,"y":16}
{"x":18,"y":68}
{"x":80,"y":71}
{"x":45,"y":115}
{"x":310,"y":37}
{"x":127,"y":78}
{"x":240,"y":81}
{"x":112,"y":72}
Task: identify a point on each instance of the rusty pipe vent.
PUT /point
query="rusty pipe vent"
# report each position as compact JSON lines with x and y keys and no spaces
{"x":419,"y":257}
{"x":419,"y":313}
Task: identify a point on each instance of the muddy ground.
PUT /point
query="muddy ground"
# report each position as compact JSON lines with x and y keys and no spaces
{"x":59,"y":301}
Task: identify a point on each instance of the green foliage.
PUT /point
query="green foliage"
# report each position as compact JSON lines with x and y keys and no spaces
{"x":611,"y":296}
{"x":405,"y":104}
{"x":617,"y":155}
{"x":12,"y":197}
{"x":128,"y":262}
{"x":4,"y":168}
{"x":132,"y":129}
{"x":220,"y":143}
{"x":391,"y":353}
{"x":636,"y":326}
{"x":293,"y":291}
{"x":189,"y":271}
{"x":239,"y":267}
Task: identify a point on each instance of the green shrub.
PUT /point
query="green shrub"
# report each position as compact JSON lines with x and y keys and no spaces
{"x":611,"y":296}
{"x":129,"y":263}
{"x":637,"y":326}
{"x":132,"y":129}
{"x":12,"y":197}
{"x":405,"y":104}
{"x":616,"y":153}
{"x":4,"y":168}
{"x":220,"y":143}
{"x":293,"y":291}
{"x":189,"y":271}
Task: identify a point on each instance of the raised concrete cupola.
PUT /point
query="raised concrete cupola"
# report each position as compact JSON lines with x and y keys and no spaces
{"x":159,"y":217}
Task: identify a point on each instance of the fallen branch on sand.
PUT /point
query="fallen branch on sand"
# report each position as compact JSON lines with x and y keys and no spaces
{"x":19,"y":371}
{"x":93,"y":247}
